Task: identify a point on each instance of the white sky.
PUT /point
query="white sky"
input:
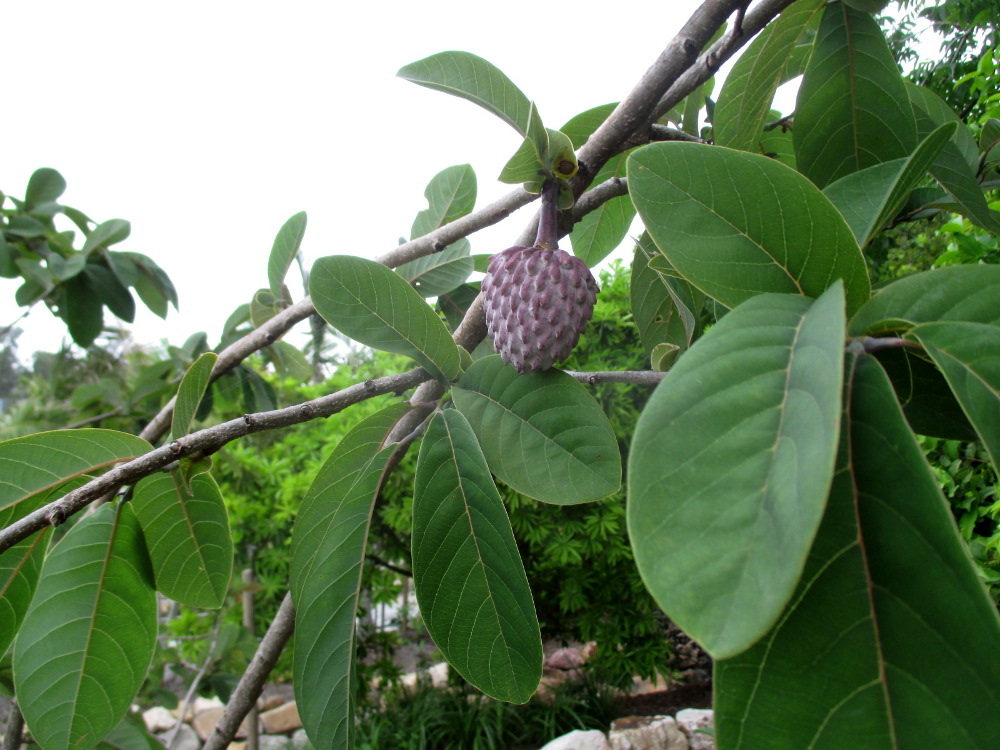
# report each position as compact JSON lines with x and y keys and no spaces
{"x":207,"y":124}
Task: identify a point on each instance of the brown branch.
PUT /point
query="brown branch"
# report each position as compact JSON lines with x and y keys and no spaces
{"x":388,"y":565}
{"x":664,"y":133}
{"x":635,"y":377}
{"x":248,"y":690}
{"x":204,"y":443}
{"x":707,"y":64}
{"x":636,"y":110}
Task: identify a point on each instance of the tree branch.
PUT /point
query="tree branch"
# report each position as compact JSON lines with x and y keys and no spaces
{"x":248,"y":690}
{"x":708,"y":63}
{"x":204,"y":443}
{"x":636,"y":110}
{"x":635,"y":377}
{"x":388,"y":565}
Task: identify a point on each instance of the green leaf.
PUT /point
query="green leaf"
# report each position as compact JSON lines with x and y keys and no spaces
{"x":928,"y":402}
{"x":869,"y":198}
{"x":523,"y":166}
{"x":599,"y":232}
{"x":451,"y":194}
{"x":190,"y":392}
{"x":867,"y":6}
{"x":21,"y":565}
{"x":154,"y":286}
{"x":88,"y":637}
{"x":106,"y":234}
{"x":665,"y":309}
{"x":433,"y":275}
{"x":283,"y":251}
{"x":35,"y":463}
{"x":467,"y":76}
{"x":44,"y":186}
{"x":580,"y":127}
{"x":467,"y":573}
{"x":955,"y":167}
{"x":263,"y":307}
{"x":749,"y":88}
{"x":743,"y":428}
{"x":290,"y":361}
{"x":969,"y":356}
{"x":130,"y":734}
{"x":543,"y":434}
{"x":109,"y":291}
{"x":852,"y":111}
{"x":889,"y":638}
{"x":186,"y":527}
{"x":962,"y":293}
{"x":328,"y":549}
{"x":377,"y":308}
{"x":82,"y":310}
{"x":789,"y":238}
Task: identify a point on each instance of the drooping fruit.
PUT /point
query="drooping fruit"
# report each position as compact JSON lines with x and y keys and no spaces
{"x":537,"y":303}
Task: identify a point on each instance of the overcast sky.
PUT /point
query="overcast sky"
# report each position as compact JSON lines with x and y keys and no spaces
{"x":208,"y":124}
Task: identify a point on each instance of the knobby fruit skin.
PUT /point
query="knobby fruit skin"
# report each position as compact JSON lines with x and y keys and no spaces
{"x":537,"y":303}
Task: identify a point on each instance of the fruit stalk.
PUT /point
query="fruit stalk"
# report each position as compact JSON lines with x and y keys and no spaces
{"x":548,"y":233}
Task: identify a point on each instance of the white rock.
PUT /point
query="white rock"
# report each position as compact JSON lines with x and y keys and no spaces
{"x":272,"y":742}
{"x":439,"y":675}
{"x":158,"y":719}
{"x":647,"y":733}
{"x":281,"y":720}
{"x":187,"y":739}
{"x":565,"y":658}
{"x":693,"y":722}
{"x":300,"y":741}
{"x":580,"y":740}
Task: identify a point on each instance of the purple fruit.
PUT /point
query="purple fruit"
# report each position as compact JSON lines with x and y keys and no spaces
{"x":537,"y":303}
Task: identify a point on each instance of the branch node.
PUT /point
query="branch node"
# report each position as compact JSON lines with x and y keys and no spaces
{"x":690,"y":48}
{"x":438,"y":246}
{"x":176,"y":448}
{"x":307,"y":410}
{"x":369,"y":385}
{"x":56,"y":517}
{"x":248,"y":420}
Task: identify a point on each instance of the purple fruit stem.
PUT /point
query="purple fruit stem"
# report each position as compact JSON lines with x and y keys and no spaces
{"x":548,"y":235}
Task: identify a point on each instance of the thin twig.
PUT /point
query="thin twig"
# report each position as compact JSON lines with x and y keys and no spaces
{"x":635,"y":377}
{"x":664,"y":133}
{"x":388,"y":565}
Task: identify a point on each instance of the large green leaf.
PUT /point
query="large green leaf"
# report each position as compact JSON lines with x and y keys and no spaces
{"x":451,"y":194}
{"x":955,"y":167}
{"x":328,"y":550}
{"x":731,"y":463}
{"x":467,"y":573}
{"x":599,"y":232}
{"x":470,"y":77}
{"x":190,"y":392}
{"x":435,"y":274}
{"x":21,"y":565}
{"x":963,"y":293}
{"x":543,"y":434}
{"x":378,"y":308}
{"x":35,"y":463}
{"x":186,"y":527}
{"x":869,"y":198}
{"x":283,"y":251}
{"x":890,"y":641}
{"x":852,"y":111}
{"x":88,"y":637}
{"x":969,"y":356}
{"x":789,"y":238}
{"x":747,"y":94}
{"x":107,"y":233}
{"x":665,"y":309}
